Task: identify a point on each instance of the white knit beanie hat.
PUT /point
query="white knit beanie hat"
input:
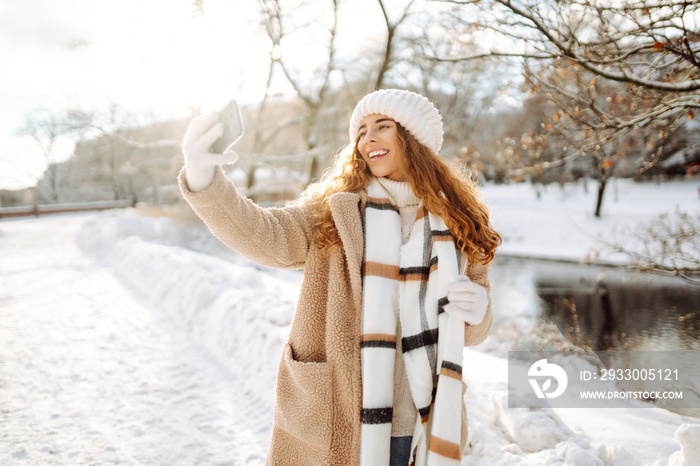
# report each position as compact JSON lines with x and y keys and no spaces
{"x":413,"y":111}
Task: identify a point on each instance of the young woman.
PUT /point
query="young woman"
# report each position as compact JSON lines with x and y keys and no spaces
{"x":395,"y":248}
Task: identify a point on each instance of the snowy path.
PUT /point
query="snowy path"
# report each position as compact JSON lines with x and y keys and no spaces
{"x":88,"y":376}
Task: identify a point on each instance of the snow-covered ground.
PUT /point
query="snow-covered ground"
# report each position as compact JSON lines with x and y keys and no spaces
{"x":94,"y":371}
{"x":561,"y":225}
{"x":134,"y":339}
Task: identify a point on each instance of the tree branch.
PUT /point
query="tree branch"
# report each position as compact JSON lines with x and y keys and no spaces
{"x":597,"y":66}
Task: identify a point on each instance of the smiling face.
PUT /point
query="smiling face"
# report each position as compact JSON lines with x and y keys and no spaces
{"x":378,"y":145}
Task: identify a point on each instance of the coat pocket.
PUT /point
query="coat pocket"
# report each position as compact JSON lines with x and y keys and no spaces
{"x":304,"y":400}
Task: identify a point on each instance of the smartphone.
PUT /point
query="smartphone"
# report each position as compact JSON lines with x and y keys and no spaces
{"x":230,"y":119}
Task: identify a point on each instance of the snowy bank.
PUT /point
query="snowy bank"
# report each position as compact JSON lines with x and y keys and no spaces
{"x":624,"y":436}
{"x":556,"y":222}
{"x":240,"y":314}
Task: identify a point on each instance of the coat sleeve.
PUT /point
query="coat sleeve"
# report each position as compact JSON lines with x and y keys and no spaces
{"x":475,"y":334}
{"x":275,"y":237}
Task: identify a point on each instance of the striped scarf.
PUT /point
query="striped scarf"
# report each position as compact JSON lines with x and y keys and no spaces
{"x":409,"y":283}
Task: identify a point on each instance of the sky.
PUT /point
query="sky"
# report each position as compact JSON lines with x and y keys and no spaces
{"x":156,"y":52}
{"x":152,"y":57}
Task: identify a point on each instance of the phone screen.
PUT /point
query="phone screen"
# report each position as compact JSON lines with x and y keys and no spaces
{"x":230,"y":119}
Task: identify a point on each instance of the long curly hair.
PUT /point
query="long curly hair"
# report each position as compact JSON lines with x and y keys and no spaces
{"x":445,"y":190}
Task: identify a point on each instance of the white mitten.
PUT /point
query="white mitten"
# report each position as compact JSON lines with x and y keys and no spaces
{"x":468,"y":301}
{"x":200,"y":164}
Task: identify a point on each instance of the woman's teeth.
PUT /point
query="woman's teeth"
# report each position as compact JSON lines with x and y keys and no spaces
{"x":377,"y":153}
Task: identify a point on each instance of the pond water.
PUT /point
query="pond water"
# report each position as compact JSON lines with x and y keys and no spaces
{"x":601,"y":308}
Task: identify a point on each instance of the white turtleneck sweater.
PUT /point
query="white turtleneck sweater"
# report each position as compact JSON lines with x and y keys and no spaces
{"x":404,"y":418}
{"x":406,"y":200}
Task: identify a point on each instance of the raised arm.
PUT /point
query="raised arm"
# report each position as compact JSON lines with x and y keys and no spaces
{"x":276,"y":237}
{"x":273,"y":237}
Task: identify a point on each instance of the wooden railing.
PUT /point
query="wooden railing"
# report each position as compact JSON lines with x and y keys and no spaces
{"x":44,"y":209}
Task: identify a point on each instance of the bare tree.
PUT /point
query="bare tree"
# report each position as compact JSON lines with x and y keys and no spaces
{"x":326,"y":105}
{"x":649,"y":45}
{"x":280,"y":24}
{"x":579,"y":102}
{"x":621,"y":78}
{"x":48,"y":129}
{"x":123,"y":152}
{"x":114,"y":150}
{"x":391,"y":26}
{"x":669,"y":245}
{"x":467,"y":93}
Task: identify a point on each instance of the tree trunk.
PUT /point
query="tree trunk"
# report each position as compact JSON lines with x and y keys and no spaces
{"x":602,"y":181}
{"x":250,"y":177}
{"x":316,"y":171}
{"x":156,"y":187}
{"x":387,"y":59}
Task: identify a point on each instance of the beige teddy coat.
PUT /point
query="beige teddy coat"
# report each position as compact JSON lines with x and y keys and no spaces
{"x":319,"y":381}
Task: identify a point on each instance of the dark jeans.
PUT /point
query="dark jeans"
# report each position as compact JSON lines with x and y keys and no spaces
{"x":400,"y":451}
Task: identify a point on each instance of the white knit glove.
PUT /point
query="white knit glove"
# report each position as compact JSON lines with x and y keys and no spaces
{"x":200,"y":164}
{"x":468,"y":301}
